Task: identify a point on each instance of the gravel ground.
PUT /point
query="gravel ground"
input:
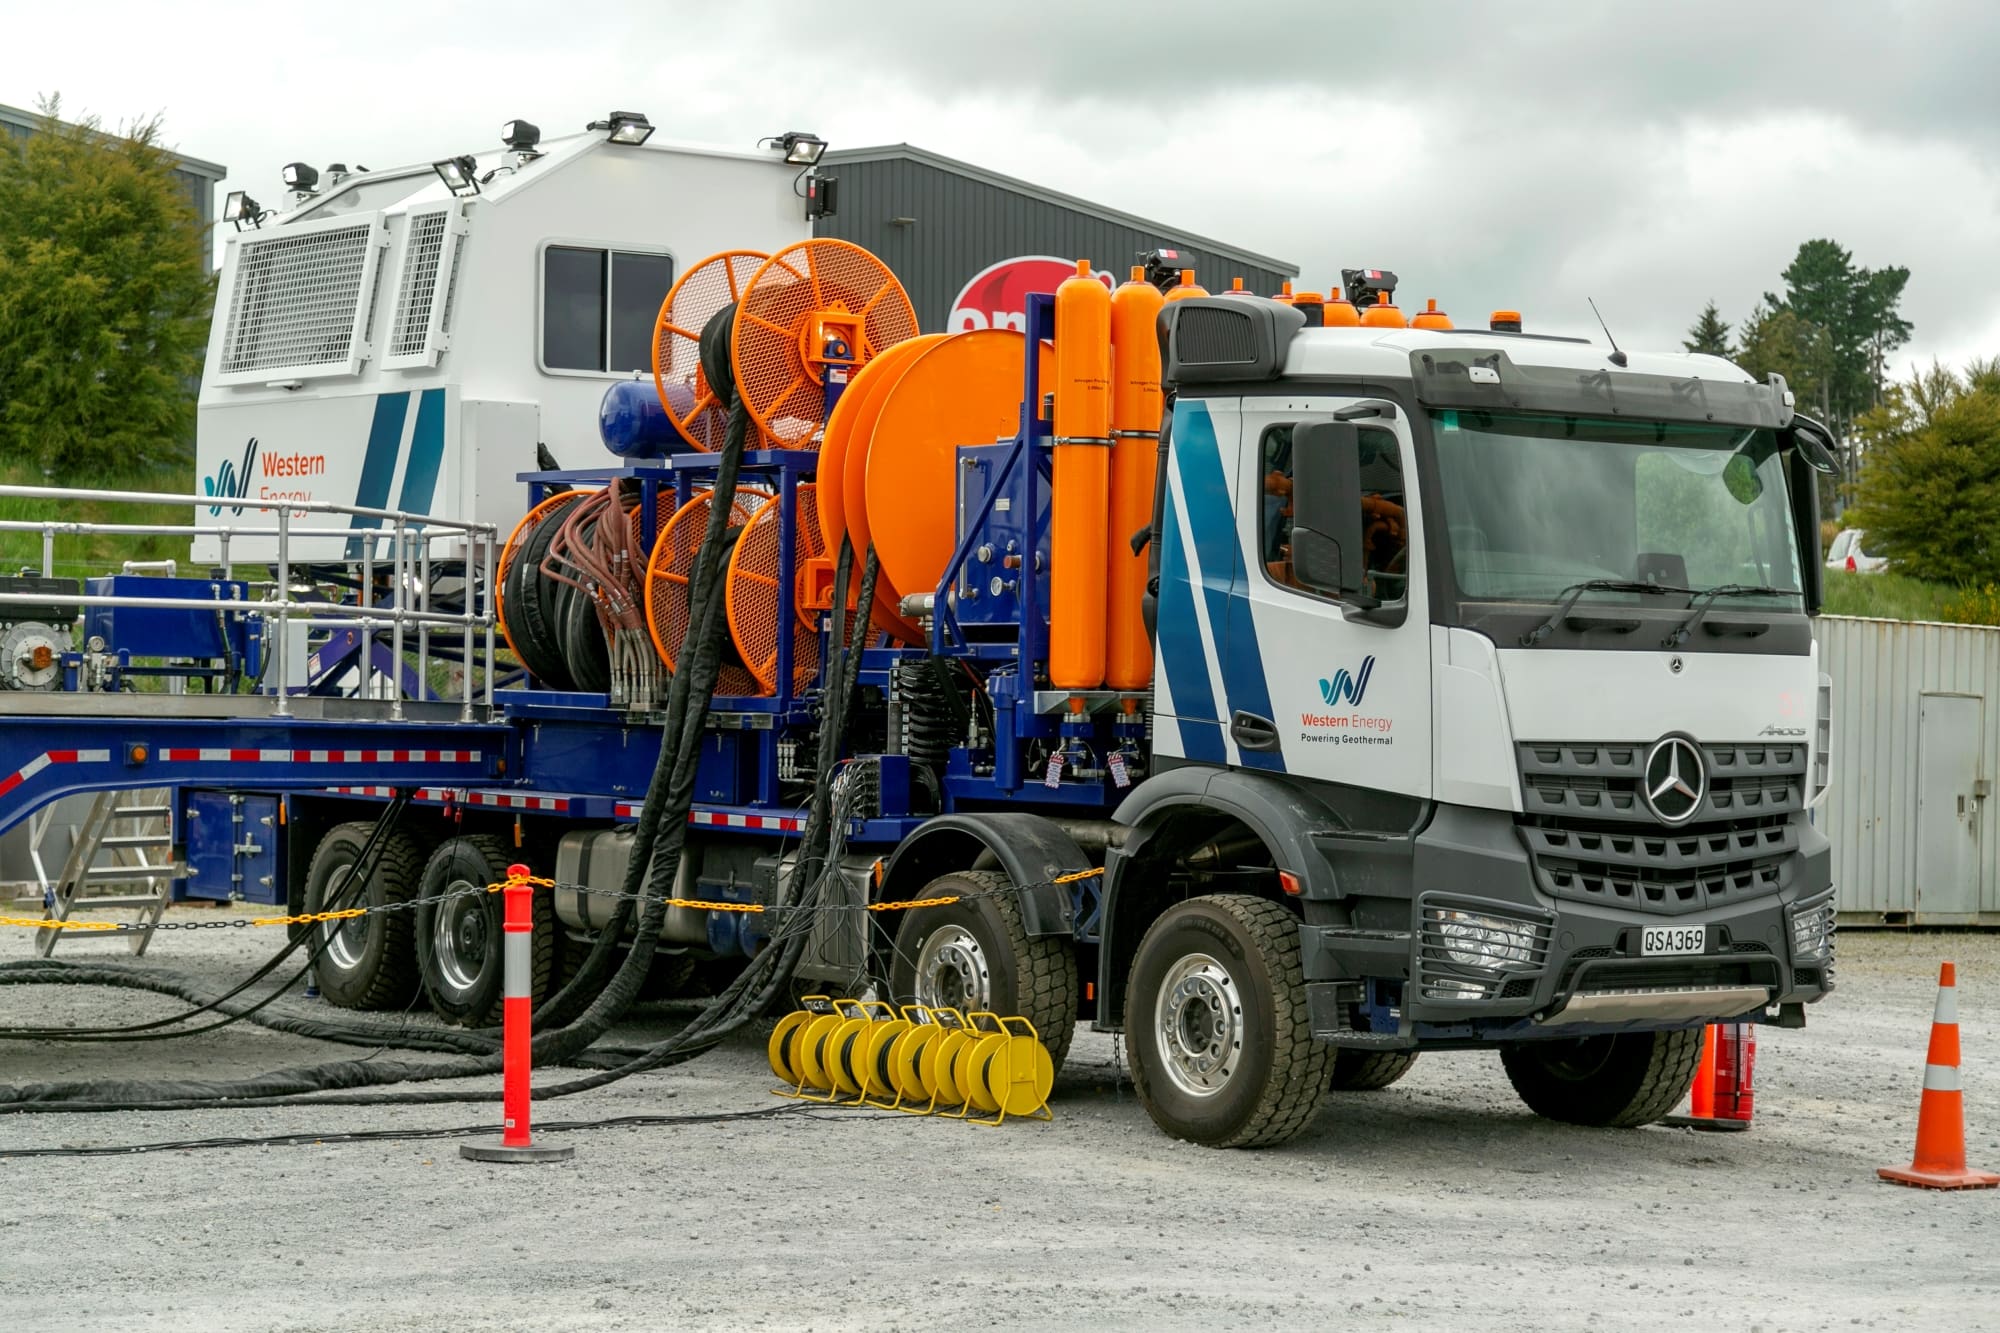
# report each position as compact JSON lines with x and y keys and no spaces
{"x":1439,"y":1201}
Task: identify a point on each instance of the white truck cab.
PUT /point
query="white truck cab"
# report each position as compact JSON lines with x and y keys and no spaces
{"x":1499,"y":648}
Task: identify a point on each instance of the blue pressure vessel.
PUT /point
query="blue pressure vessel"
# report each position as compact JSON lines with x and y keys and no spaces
{"x":633,"y":424}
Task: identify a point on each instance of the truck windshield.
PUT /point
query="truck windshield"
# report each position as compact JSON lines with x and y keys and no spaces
{"x":1538,"y":504}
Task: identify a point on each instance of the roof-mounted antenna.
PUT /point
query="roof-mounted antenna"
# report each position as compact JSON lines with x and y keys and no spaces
{"x":1618,"y":358}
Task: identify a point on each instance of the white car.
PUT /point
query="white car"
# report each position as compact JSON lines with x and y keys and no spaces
{"x":1847,"y":553}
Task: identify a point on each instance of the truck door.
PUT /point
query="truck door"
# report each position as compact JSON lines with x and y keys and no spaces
{"x":1198,"y":573}
{"x":1315,"y":687}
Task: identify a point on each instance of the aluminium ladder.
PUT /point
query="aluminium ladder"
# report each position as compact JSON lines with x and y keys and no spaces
{"x":122,"y":858}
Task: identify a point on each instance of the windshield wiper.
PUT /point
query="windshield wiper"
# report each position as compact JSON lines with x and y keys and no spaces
{"x":1569,"y":595}
{"x":1707,"y":598}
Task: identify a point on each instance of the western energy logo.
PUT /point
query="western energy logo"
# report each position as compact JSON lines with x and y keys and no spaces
{"x":1347,"y":689}
{"x":232,"y":482}
{"x":1345,"y":724}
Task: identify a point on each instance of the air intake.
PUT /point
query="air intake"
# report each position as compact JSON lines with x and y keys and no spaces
{"x":1218,"y":339}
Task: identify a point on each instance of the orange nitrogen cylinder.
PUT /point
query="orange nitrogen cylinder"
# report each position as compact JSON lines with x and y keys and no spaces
{"x":1189,"y":287}
{"x":1430,"y":317}
{"x":1341,"y":314}
{"x":1080,"y":495}
{"x":1382,"y":315}
{"x":1135,"y":432}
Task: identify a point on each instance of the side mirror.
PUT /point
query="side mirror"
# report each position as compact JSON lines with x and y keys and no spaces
{"x":1326,"y":508}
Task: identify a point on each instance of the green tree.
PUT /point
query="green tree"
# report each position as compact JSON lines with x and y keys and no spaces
{"x":1930,"y":492}
{"x":1856,"y":309}
{"x":1709,"y":334}
{"x":104,"y":300}
{"x":1774,"y":339}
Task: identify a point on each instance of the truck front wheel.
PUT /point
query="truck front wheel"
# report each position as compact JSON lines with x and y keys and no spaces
{"x":1215,"y":1017}
{"x":1619,"y":1081}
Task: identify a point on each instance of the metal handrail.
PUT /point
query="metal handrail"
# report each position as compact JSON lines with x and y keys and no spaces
{"x":409,"y":538}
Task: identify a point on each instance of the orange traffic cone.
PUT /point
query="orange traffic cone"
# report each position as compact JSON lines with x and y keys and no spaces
{"x":1940,"y":1160}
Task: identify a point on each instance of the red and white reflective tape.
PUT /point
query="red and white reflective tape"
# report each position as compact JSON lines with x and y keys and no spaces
{"x":321,"y":756}
{"x":725,"y":819}
{"x":47,"y":758}
{"x":499,"y":800}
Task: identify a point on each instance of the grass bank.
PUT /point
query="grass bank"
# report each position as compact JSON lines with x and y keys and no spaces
{"x":1899,"y":597}
{"x":82,"y":555}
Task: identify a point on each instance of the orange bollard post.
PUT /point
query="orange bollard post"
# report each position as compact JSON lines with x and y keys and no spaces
{"x":516,"y":1037}
{"x":1722,"y":1097}
{"x":1939,"y":1163}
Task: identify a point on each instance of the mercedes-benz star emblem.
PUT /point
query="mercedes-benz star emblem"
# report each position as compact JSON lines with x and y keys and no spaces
{"x":1676,"y":780}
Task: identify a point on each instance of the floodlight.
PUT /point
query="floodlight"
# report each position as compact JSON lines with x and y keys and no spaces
{"x":801,"y":149}
{"x":300,"y":178}
{"x":521,"y":135}
{"x":627,"y":127}
{"x":458,"y":174}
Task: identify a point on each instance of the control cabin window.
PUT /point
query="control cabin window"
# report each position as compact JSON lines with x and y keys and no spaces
{"x":1385,"y":527}
{"x":599,"y":307}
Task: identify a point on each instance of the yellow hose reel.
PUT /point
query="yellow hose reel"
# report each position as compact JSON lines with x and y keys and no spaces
{"x":979,"y":1067}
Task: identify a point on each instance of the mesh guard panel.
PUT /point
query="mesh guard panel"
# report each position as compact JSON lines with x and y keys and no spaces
{"x":768,"y":346}
{"x":295,"y":299}
{"x":752,"y":597}
{"x":703,"y":290}
{"x":667,"y":574}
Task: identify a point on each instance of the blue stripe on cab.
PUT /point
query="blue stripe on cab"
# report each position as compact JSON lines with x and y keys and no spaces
{"x":1182,"y":655}
{"x":1225,"y":573}
{"x":378,"y":465}
{"x":426,"y":455}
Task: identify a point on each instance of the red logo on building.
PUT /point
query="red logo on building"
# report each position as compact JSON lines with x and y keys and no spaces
{"x":997,"y":297}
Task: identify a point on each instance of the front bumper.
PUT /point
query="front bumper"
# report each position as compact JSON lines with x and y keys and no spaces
{"x":1480,"y":951}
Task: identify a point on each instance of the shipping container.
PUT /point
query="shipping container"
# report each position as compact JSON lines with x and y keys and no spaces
{"x":1915,"y":748}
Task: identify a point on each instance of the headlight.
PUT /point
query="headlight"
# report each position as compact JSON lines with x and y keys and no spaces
{"x":1812,"y":929}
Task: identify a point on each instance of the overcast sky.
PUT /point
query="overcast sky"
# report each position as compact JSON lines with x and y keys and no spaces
{"x":1525,"y":153}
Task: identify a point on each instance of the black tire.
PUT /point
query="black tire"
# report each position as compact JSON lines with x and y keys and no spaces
{"x":1032,"y":978}
{"x":368,"y":962}
{"x":668,"y":977}
{"x":1260,"y":1079}
{"x":459,"y":950}
{"x":1618,"y":1081}
{"x":1356,"y":1070}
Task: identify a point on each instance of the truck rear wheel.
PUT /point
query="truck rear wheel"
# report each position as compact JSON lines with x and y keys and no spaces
{"x":975,"y":954}
{"x":1359,"y":1070}
{"x":1620,"y":1080}
{"x":458,"y":930}
{"x":1216,"y":1021}
{"x":365,"y":962}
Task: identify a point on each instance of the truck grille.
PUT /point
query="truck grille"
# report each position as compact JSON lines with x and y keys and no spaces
{"x":1592,"y":837}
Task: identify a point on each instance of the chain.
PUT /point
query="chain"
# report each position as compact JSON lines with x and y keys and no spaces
{"x":411,"y":904}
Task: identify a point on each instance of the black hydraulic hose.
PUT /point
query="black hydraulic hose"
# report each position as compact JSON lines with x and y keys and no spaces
{"x":653,"y":868}
{"x":357,"y":878}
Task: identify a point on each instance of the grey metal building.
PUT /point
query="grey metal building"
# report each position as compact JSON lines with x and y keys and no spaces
{"x":937,"y":222}
{"x":199,"y":177}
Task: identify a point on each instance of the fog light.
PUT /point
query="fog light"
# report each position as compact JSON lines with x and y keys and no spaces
{"x":1812,"y":929}
{"x":1473,"y":939}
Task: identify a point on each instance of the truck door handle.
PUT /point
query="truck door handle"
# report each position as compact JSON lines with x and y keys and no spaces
{"x":1253,"y":732}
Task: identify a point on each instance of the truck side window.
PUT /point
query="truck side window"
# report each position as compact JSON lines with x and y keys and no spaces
{"x":1384,"y":520}
{"x":599,"y":307}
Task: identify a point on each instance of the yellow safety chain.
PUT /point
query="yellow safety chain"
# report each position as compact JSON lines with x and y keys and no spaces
{"x":351,"y":913}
